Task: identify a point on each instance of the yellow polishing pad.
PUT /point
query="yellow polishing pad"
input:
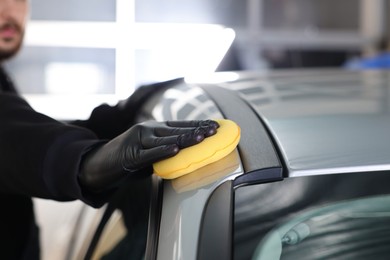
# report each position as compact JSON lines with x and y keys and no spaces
{"x":207,"y":174}
{"x":210,"y":150}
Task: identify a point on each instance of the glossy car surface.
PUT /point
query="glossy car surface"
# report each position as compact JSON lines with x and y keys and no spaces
{"x":309,"y":179}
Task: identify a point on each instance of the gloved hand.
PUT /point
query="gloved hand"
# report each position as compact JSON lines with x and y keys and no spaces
{"x":138,"y":148}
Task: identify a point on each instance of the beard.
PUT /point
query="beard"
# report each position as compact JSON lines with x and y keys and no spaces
{"x":8,"y":53}
{"x":9,"y":47}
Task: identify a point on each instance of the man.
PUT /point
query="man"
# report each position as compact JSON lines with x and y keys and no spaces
{"x":41,"y":157}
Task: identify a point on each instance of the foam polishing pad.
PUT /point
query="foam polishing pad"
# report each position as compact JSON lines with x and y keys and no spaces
{"x":210,"y":150}
{"x":208,"y":174}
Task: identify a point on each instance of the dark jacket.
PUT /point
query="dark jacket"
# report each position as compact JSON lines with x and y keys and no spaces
{"x":40,"y":157}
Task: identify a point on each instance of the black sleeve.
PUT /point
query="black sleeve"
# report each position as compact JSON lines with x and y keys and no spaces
{"x":108,"y":122}
{"x":105,"y":121}
{"x":40,"y":156}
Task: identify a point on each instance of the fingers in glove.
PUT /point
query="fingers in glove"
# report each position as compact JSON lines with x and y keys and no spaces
{"x":150,"y":156}
{"x":183,"y":140}
{"x":191,"y":138}
{"x":153,"y":141}
{"x":193,"y":123}
{"x":210,"y":126}
{"x":182,"y":127}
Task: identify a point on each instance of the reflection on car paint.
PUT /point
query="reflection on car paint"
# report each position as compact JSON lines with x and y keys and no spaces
{"x":185,"y":103}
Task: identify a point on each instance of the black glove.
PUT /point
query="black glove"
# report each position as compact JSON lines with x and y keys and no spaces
{"x":138,"y":148}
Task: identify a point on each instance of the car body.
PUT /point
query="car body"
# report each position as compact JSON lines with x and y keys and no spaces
{"x":308,"y":180}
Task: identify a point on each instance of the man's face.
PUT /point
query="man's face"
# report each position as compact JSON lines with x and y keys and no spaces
{"x":13,"y":16}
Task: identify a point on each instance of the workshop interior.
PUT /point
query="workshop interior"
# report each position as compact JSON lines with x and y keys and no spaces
{"x":80,"y":54}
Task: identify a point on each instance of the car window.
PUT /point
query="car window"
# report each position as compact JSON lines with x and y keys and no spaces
{"x":339,"y":216}
{"x":352,"y":229}
{"x":114,"y":233}
{"x":123,"y":230}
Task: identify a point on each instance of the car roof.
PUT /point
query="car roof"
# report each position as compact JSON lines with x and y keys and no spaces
{"x":293,"y":123}
{"x":322,"y":121}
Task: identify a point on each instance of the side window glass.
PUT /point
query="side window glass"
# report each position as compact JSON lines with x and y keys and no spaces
{"x":124,"y":234}
{"x":336,"y":216}
{"x":344,"y":230}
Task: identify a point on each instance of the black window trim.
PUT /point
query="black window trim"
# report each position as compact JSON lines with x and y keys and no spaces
{"x":261,"y":164}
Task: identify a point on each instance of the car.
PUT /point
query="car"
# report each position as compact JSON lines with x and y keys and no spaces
{"x":308,"y":180}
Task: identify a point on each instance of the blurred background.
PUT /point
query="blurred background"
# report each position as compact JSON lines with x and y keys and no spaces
{"x":79,"y":54}
{"x":88,"y":52}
